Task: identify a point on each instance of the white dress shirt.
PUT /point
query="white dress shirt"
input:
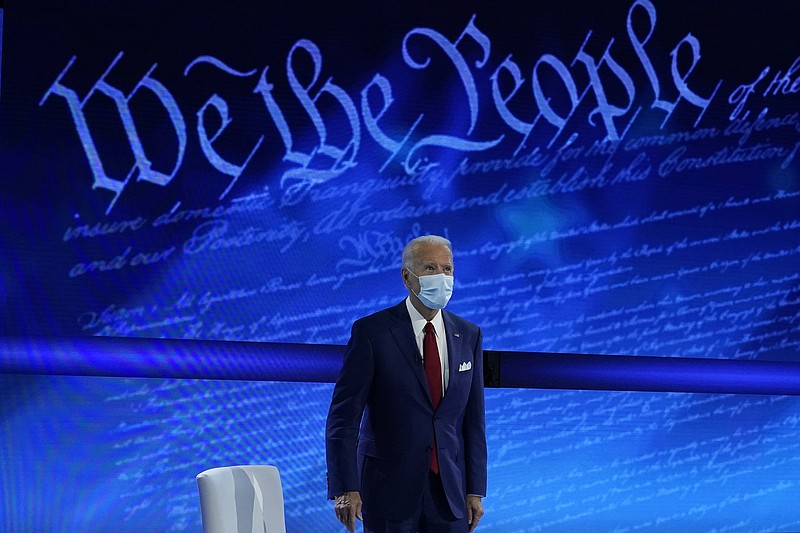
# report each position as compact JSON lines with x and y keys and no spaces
{"x":418,"y":323}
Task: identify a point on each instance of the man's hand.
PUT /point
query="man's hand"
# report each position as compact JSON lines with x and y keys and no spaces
{"x":474,"y":511}
{"x":348,"y":508}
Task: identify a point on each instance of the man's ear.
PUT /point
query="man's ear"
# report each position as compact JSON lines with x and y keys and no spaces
{"x":407,"y":275}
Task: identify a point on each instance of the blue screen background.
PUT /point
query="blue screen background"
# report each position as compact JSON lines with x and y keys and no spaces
{"x":615,"y":180}
{"x":116,"y":453}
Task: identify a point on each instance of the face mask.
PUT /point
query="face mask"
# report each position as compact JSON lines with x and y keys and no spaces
{"x":435,"y":290}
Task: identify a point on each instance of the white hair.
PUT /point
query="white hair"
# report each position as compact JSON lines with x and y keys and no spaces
{"x":410,"y":251}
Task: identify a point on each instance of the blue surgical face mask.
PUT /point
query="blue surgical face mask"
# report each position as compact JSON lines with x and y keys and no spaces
{"x":434,"y":290}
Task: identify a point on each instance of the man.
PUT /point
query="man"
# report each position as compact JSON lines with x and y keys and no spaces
{"x":405,"y":435}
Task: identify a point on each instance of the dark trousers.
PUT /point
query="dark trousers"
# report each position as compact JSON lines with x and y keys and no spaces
{"x":432,"y":516}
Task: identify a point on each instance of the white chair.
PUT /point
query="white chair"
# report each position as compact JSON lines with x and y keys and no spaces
{"x":241,"y":499}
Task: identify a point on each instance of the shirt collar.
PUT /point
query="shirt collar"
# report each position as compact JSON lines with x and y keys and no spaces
{"x":418,"y":321}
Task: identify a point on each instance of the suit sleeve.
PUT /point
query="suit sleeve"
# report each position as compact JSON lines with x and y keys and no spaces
{"x":344,"y":416}
{"x":475,"y":426}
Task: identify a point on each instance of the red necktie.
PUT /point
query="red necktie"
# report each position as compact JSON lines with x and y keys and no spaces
{"x":433,"y":372}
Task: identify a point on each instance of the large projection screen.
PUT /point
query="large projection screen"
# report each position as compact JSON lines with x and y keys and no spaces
{"x":617,"y":178}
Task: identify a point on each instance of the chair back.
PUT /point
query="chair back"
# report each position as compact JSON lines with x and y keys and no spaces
{"x":241,"y":499}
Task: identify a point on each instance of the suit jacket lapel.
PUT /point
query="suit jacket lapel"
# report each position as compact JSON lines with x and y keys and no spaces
{"x":454,"y":347}
{"x":403,"y":334}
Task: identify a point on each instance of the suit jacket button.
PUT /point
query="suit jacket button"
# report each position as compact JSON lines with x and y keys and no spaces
{"x":428,"y":449}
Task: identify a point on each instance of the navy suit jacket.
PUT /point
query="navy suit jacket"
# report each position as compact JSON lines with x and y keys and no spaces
{"x":381,"y":422}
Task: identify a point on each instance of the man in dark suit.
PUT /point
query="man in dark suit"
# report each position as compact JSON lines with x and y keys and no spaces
{"x":405,"y":435}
